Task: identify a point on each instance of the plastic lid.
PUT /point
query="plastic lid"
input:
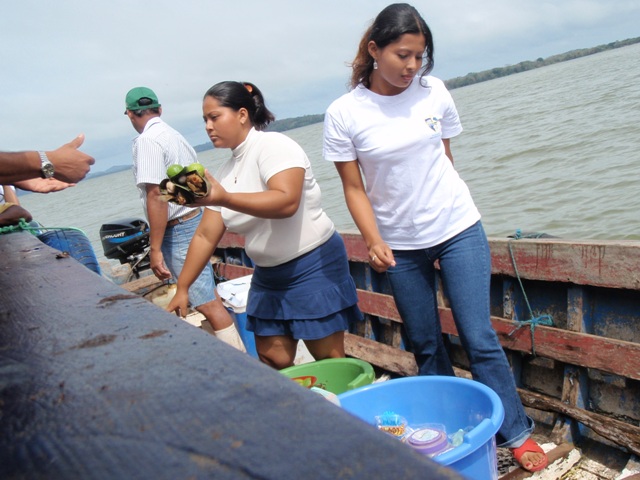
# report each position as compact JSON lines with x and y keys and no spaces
{"x":428,"y":440}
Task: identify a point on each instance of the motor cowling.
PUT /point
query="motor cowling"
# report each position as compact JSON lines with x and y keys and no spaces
{"x":125,"y":239}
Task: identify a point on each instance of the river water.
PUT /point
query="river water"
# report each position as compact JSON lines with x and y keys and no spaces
{"x":554,"y":150}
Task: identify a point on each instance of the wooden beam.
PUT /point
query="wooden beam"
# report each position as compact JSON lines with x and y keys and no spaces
{"x":621,"y":433}
{"x":580,"y":349}
{"x":356,"y":248}
{"x":612,"y":264}
{"x":231,"y":240}
{"x":230,"y":272}
{"x":378,"y":304}
{"x":383,"y":356}
{"x":143,"y":284}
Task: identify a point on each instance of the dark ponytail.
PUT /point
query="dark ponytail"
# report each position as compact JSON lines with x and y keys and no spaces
{"x":237,"y":95}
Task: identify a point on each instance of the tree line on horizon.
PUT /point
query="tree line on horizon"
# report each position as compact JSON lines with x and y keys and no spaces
{"x":477,"y":77}
{"x":457,"y":82}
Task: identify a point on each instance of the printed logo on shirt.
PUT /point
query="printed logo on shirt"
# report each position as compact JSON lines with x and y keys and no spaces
{"x":434,"y":124}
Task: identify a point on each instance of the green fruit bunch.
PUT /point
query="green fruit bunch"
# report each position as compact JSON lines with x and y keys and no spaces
{"x":184,"y":183}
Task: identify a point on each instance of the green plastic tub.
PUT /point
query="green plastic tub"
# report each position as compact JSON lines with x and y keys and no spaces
{"x":336,"y":375}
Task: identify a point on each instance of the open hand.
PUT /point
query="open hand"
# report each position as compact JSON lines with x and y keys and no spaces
{"x":43,"y":185}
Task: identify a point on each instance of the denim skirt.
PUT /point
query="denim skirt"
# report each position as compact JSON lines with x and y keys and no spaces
{"x":308,"y":298}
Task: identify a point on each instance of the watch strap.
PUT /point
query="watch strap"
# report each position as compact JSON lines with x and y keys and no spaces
{"x":46,"y":170}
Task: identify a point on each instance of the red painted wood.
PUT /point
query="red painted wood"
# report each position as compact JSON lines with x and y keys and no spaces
{"x":357,"y":250}
{"x":612,"y":264}
{"x":606,"y":354}
{"x":229,"y":271}
{"x":378,"y":304}
{"x":231,"y":240}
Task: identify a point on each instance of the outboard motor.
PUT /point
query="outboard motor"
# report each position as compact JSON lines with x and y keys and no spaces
{"x":127,"y":240}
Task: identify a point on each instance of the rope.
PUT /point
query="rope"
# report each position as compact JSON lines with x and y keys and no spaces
{"x":23,"y":225}
{"x":534,"y":321}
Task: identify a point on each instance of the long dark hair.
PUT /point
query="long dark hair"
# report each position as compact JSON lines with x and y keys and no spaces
{"x":390,"y":24}
{"x":237,"y":95}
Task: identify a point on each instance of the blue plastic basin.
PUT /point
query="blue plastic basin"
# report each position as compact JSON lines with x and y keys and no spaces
{"x":247,"y":337}
{"x":456,"y":403}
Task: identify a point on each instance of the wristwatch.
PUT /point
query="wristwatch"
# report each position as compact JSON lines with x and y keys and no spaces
{"x":47,"y":169}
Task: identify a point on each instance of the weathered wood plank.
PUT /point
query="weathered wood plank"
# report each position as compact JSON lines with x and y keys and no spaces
{"x":388,"y":358}
{"x":575,"y":348}
{"x":229,"y":271}
{"x":142,"y":284}
{"x":378,"y":304}
{"x":231,"y":240}
{"x":572,"y":383}
{"x":621,"y":433}
{"x":612,"y":264}
{"x":356,"y":248}
{"x":96,"y":382}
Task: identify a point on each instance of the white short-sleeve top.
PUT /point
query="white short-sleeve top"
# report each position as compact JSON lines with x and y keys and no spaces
{"x":271,"y":242}
{"x":418,"y":198}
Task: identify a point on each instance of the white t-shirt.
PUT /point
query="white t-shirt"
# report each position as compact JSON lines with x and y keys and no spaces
{"x":418,"y":198}
{"x":154,"y":150}
{"x":271,"y":242}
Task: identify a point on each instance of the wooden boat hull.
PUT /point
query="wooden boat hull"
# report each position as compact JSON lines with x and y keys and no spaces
{"x":579,"y":378}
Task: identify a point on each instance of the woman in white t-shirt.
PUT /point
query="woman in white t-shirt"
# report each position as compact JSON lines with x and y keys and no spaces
{"x":301,"y":287}
{"x":413,"y":209}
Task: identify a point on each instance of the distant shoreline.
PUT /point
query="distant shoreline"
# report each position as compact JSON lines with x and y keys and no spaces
{"x":473,"y":77}
{"x":109,"y":171}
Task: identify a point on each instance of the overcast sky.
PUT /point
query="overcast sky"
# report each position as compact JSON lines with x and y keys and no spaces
{"x":66,"y":65}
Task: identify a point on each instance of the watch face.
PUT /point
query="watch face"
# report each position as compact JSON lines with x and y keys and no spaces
{"x":47,"y":170}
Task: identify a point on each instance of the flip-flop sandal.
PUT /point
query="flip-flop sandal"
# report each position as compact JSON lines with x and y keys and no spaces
{"x":529,"y":446}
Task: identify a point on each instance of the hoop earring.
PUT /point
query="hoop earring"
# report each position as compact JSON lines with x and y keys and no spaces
{"x":375,"y":64}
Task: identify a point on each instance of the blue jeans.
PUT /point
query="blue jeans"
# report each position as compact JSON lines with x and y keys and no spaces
{"x":465,"y":269}
{"x":174,"y":250}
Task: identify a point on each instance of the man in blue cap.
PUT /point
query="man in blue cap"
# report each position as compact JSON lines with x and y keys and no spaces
{"x":171,"y":225}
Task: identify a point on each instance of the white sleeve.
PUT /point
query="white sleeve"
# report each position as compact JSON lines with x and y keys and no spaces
{"x":450,"y":123}
{"x":149,"y":157}
{"x":337,"y":145}
{"x":279,"y":153}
